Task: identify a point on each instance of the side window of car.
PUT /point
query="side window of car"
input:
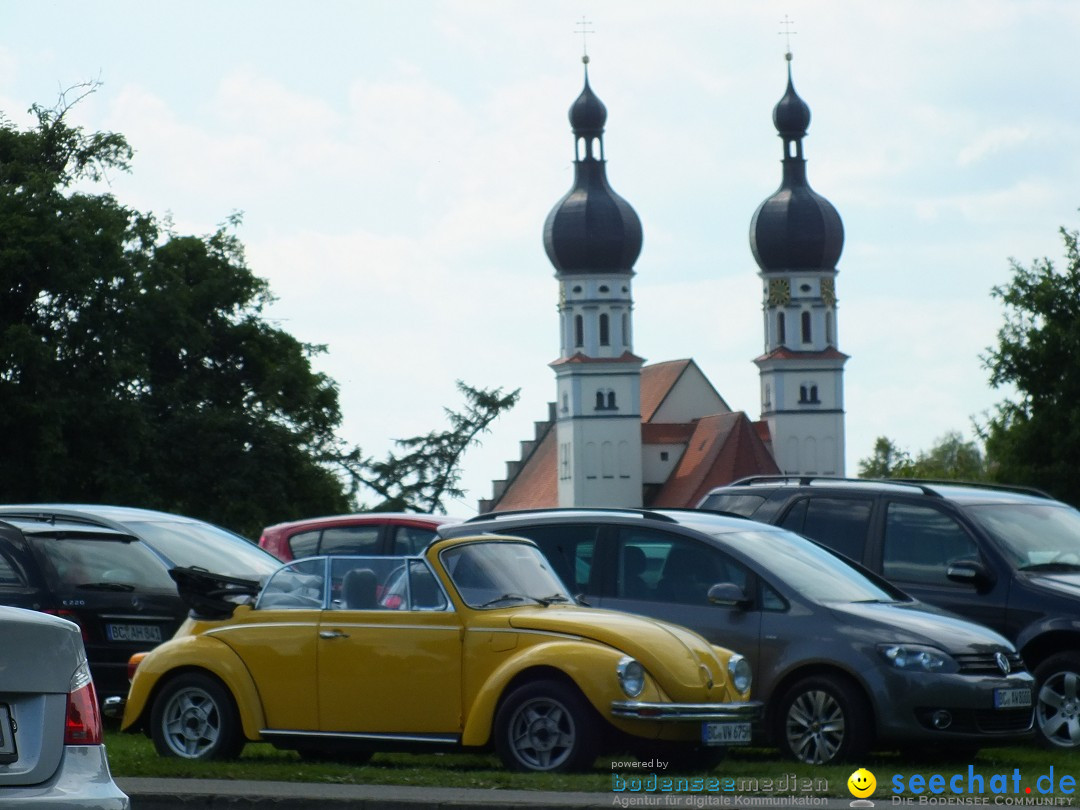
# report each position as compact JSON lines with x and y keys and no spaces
{"x":350,"y":540}
{"x":424,"y":589}
{"x":569,"y":549}
{"x":661,"y":567}
{"x":841,"y":524}
{"x":411,"y":540}
{"x":368,"y":583}
{"x":298,"y":586}
{"x":304,"y":544}
{"x":920,"y":544}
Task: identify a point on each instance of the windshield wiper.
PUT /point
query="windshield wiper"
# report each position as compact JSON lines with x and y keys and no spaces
{"x":550,"y":600}
{"x":105,"y":586}
{"x":513,"y":597}
{"x":1051,"y":566}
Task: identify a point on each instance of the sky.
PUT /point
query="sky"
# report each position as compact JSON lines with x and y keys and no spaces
{"x":394,"y":163}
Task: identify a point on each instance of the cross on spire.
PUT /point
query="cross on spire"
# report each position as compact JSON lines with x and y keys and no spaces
{"x":584,"y":30}
{"x":787,"y":32}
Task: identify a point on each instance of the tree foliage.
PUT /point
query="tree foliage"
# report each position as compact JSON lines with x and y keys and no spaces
{"x":136,"y":366}
{"x":1035,"y":440}
{"x":424,"y":475}
{"x":951,"y":458}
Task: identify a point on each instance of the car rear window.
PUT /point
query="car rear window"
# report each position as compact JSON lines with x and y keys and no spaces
{"x":743,"y":504}
{"x":102,"y":564}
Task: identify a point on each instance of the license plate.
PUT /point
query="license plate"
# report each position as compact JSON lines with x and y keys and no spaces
{"x":725,"y":733}
{"x":1012,"y":698}
{"x":8,"y":752}
{"x":133,"y":632}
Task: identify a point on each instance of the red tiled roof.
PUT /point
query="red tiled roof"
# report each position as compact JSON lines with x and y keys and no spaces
{"x":625,"y":357}
{"x":536,"y":485}
{"x":657,"y":380}
{"x":724,"y":447}
{"x":666,"y":433}
{"x":784,"y":353}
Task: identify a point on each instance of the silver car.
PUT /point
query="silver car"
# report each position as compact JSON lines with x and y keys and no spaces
{"x":51,"y":751}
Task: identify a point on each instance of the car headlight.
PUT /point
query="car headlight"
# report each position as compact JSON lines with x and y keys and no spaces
{"x":917,"y":658}
{"x":631,"y":676}
{"x":739,"y":669}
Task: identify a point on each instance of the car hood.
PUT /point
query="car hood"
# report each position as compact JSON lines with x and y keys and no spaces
{"x":676,"y":657}
{"x":915,"y":623}
{"x":1063,"y":583}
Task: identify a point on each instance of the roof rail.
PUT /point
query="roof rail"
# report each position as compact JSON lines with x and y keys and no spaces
{"x":615,"y":510}
{"x":52,"y":516}
{"x":806,"y":480}
{"x":1017,"y":488}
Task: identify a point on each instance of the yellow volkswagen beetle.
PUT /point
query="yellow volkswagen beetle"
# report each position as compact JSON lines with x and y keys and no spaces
{"x":475,"y":644}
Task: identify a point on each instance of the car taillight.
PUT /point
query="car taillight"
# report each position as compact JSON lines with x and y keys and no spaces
{"x":71,"y":616}
{"x":82,"y":726}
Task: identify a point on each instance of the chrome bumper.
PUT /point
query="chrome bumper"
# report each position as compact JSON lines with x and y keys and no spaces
{"x":748,"y":710}
{"x":113,"y":707}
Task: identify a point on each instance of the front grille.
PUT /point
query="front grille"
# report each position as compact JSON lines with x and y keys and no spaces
{"x":986,"y":663}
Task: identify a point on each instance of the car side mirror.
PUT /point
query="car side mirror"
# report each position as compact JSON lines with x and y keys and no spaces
{"x":728,"y":594}
{"x":968,"y":572}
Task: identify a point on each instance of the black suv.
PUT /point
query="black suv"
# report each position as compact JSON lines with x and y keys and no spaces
{"x":1006,"y":557}
{"x":843,"y":660}
{"x":107,"y":582}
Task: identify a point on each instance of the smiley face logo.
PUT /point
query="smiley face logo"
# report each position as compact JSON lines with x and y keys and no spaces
{"x":861,"y":783}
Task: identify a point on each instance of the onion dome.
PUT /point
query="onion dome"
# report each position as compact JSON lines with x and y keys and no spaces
{"x":591,"y":229}
{"x":796,"y":228}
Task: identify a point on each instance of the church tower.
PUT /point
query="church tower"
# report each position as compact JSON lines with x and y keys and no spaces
{"x":796,"y":237}
{"x":593,"y":237}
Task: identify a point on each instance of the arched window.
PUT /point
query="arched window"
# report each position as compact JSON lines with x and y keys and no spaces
{"x":579,"y":332}
{"x":830,"y":338}
{"x":781,"y":337}
{"x":605,"y":330}
{"x":806,"y":336}
{"x":803,"y":397}
{"x":611,"y":399}
{"x":599,"y":400}
{"x":813,"y":394}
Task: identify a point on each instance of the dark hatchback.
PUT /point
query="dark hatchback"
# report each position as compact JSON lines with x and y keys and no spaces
{"x":107,"y":582}
{"x":844,"y":661}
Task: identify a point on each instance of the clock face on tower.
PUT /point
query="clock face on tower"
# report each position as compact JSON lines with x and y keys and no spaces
{"x":828,"y":291}
{"x":779,"y":292}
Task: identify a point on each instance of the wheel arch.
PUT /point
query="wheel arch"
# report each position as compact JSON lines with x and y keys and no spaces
{"x":809,"y":671}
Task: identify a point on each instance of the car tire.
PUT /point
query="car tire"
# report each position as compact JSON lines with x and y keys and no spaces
{"x":1057,"y":701}
{"x":546,"y":726}
{"x":195,"y":717}
{"x":824,"y":719}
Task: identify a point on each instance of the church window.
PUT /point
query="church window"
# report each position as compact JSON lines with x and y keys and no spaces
{"x":566,"y":403}
{"x":806,"y":336}
{"x":829,"y":338}
{"x":813,"y":394}
{"x":626,"y":330}
{"x":577,"y":288}
{"x":781,"y":337}
{"x":579,"y":332}
{"x":663,"y":455}
{"x":599,"y":400}
{"x":605,"y":330}
{"x":604,"y":288}
{"x":611,"y":400}
{"x":767,"y":397}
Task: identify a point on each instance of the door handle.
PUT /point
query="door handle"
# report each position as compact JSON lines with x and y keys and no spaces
{"x":332,"y":634}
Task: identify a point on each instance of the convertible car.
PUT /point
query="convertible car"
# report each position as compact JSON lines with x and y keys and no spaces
{"x":475,"y":644}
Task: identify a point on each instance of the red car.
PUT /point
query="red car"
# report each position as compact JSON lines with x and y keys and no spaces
{"x":398,"y":533}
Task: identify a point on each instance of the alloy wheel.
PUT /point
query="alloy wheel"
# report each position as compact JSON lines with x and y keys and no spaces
{"x":815,"y":727}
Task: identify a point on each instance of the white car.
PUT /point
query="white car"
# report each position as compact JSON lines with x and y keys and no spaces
{"x":51,"y":751}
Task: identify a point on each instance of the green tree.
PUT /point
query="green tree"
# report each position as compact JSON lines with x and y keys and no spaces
{"x":135,"y":365}
{"x":887,"y":461}
{"x":1035,"y":440}
{"x":424,"y":474}
{"x":951,"y":458}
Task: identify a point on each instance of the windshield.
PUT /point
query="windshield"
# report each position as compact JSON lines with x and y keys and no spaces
{"x":807,"y":568}
{"x":203,"y":545}
{"x":1033,"y":535}
{"x":500,"y":574}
